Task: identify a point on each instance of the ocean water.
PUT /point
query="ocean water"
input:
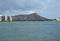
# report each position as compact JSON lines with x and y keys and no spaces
{"x":30,"y":31}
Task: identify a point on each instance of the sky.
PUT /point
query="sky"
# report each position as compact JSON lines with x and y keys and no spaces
{"x":45,"y":8}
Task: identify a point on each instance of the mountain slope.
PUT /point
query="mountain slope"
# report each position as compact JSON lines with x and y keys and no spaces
{"x":30,"y":17}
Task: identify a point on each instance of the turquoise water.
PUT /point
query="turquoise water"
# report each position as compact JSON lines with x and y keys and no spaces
{"x":30,"y":31}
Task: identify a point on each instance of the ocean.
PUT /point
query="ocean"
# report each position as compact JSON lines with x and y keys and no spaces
{"x":30,"y":31}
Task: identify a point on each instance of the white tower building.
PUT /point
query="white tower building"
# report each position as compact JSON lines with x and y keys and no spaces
{"x":10,"y":18}
{"x":5,"y":18}
{"x":58,"y":19}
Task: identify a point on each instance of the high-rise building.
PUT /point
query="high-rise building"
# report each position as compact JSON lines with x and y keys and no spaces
{"x":5,"y":18}
{"x":58,"y":19}
{"x":10,"y":18}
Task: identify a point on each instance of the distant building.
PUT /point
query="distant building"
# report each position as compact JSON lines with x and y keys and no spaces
{"x":0,"y":17}
{"x":5,"y":18}
{"x":8,"y":18}
{"x":58,"y":19}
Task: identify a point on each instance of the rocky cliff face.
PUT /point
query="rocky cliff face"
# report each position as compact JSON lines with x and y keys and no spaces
{"x":31,"y":17}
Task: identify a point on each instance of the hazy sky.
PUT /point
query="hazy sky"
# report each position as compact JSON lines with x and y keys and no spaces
{"x":46,"y":8}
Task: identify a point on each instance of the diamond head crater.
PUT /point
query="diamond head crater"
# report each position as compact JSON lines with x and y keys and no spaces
{"x":27,"y":17}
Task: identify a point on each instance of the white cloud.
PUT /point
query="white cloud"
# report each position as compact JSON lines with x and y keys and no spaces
{"x":24,"y":5}
{"x":43,"y":7}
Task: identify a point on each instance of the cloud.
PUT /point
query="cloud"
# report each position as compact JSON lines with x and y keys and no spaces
{"x":52,"y":10}
{"x":45,"y":8}
{"x":16,"y":12}
{"x":22,"y":5}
